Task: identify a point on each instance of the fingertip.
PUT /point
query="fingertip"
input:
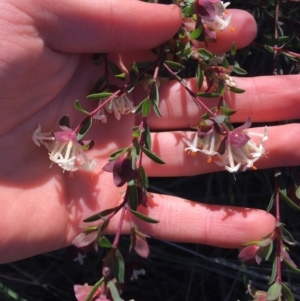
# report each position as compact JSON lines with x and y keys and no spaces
{"x":244,"y":26}
{"x":242,"y":30}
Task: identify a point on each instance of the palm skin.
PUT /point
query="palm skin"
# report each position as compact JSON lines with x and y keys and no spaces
{"x":45,"y":64}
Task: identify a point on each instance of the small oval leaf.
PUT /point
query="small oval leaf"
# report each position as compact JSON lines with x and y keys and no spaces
{"x":144,"y":217}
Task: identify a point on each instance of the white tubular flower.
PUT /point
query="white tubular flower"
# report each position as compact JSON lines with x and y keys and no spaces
{"x":239,"y":151}
{"x":214,"y":14}
{"x":40,"y":138}
{"x":64,"y":149}
{"x":243,"y":157}
{"x":222,"y":18}
{"x":100,"y":115}
{"x":229,"y":81}
{"x":119,"y":106}
{"x":210,"y":143}
{"x":192,"y":148}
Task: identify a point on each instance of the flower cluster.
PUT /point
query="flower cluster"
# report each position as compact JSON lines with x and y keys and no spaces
{"x":119,"y":106}
{"x":213,"y":13}
{"x":233,"y":150}
{"x":64,"y":149}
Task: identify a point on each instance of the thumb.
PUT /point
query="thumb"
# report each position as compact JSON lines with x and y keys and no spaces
{"x":87,"y":26}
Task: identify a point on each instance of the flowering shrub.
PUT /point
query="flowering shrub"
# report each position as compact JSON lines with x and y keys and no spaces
{"x":235,"y":149}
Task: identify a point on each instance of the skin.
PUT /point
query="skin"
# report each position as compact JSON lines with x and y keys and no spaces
{"x":45,"y":65}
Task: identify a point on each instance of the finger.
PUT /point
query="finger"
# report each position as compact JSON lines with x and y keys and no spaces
{"x":281,"y":150}
{"x":104,"y":26}
{"x":184,"y":221}
{"x":261,"y":101}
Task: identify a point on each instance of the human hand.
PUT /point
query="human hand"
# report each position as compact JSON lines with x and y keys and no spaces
{"x":45,"y":63}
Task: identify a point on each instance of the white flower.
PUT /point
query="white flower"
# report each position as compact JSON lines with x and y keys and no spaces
{"x":234,"y":158}
{"x":100,"y":115}
{"x":119,"y":106}
{"x":192,"y":148}
{"x":64,"y":149}
{"x":40,"y":138}
{"x":222,"y":17}
{"x":246,"y":156}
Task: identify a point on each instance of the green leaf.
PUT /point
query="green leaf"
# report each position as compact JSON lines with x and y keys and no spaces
{"x":269,"y":251}
{"x":233,"y":49}
{"x":207,"y":95}
{"x":84,"y":129}
{"x":225,"y":63}
{"x":137,"y":146}
{"x":184,"y":53}
{"x":136,"y":134}
{"x":119,"y":267}
{"x":274,"y":272}
{"x":279,"y":40}
{"x":10,"y":294}
{"x":78,"y":107}
{"x":286,"y":293}
{"x":133,"y":197}
{"x":147,"y":133}
{"x":143,"y":176}
{"x":144,"y":64}
{"x":205,"y":54}
{"x":116,"y":154}
{"x":199,"y":76}
{"x":101,"y":215}
{"x":120,"y":76}
{"x":138,"y":109}
{"x":174,"y":65}
{"x":65,"y":121}
{"x":271,"y":203}
{"x":239,"y":70}
{"x":196,"y":33}
{"x":188,"y":10}
{"x":146,"y":107}
{"x":274,"y":291}
{"x":131,"y":85}
{"x":114,"y":291}
{"x":293,"y":268}
{"x":154,"y":96}
{"x":104,"y":242}
{"x":236,"y":90}
{"x":116,"y":70}
{"x":152,"y":156}
{"x":268,"y":48}
{"x":90,"y":229}
{"x":156,"y":110}
{"x":221,"y":88}
{"x":94,"y":289}
{"x":135,"y":68}
{"x":144,"y":217}
{"x":265,"y":242}
{"x":288,"y":200}
{"x":99,"y":95}
{"x":134,"y":158}
{"x":226,"y":111}
{"x":297,"y":192}
{"x":287,"y":236}
{"x":98,"y":84}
